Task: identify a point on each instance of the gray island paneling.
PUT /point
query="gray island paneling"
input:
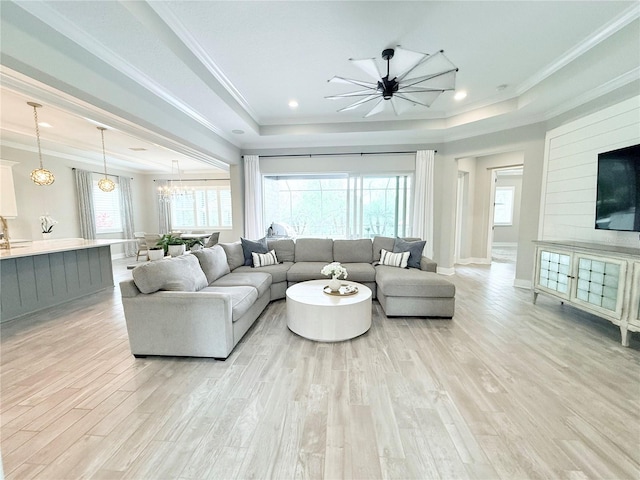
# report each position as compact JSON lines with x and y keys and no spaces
{"x":45,"y":273}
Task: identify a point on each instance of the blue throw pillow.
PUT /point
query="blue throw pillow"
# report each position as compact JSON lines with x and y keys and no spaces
{"x":414,"y":248}
{"x":253,"y":246}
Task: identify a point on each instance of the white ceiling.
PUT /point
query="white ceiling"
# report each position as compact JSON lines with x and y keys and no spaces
{"x":186,"y":74}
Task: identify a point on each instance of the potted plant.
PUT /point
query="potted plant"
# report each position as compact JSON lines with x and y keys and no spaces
{"x":194,"y":244}
{"x":155,"y":253}
{"x":172,"y":245}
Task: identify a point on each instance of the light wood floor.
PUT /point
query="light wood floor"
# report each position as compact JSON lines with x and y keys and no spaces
{"x":507,"y":390}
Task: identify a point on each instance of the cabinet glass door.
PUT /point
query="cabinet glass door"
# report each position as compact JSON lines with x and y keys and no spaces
{"x":554,"y":271}
{"x":598,"y":283}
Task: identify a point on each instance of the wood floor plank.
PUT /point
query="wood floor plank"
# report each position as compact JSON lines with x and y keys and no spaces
{"x":504,"y":390}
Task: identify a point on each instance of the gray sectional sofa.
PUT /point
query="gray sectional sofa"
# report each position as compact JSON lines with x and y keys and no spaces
{"x":202,"y":304}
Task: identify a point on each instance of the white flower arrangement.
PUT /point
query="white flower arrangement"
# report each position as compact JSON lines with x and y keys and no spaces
{"x":335,"y":270}
{"x":46,"y":223}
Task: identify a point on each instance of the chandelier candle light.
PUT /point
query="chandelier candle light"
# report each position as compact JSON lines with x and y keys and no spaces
{"x":40,"y":176}
{"x":170,"y":191}
{"x":105,"y":184}
{"x":336,"y":271}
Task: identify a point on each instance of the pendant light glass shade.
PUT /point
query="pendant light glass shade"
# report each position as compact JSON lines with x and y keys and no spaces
{"x":40,"y":176}
{"x":105,"y":184}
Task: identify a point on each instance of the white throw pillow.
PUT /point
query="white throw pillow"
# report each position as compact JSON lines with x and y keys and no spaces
{"x":394,"y":259}
{"x":264,"y":259}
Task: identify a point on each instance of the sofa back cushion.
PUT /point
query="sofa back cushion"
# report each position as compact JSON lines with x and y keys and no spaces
{"x":213,"y":262}
{"x":181,"y":274}
{"x":314,"y":250}
{"x":285,"y":248}
{"x":235,"y":255}
{"x":353,"y":251}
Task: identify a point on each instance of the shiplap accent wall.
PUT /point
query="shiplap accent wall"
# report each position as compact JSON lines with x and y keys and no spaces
{"x":568,"y":200}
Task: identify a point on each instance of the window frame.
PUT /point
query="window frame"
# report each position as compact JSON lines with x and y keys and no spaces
{"x":220,"y":186}
{"x":99,"y":204}
{"x":509,"y":206}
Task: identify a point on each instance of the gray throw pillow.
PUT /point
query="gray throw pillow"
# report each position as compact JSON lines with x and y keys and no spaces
{"x":253,"y":246}
{"x":213,"y":262}
{"x":415,"y":250}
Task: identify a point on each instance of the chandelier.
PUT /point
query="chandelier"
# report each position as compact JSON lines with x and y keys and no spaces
{"x":173,"y":190}
{"x":105,"y":184}
{"x":40,"y":176}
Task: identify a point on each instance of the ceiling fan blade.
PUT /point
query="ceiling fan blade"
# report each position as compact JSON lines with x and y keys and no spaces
{"x":424,"y":99}
{"x":400,"y":106}
{"x":432,"y":64}
{"x":351,"y":81}
{"x":368,"y":66}
{"x":359,"y":102}
{"x":445,"y":80}
{"x":359,"y":93}
{"x":379,"y":107}
{"x":403,"y":61}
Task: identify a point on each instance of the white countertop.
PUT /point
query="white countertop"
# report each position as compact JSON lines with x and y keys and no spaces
{"x":42,"y":247}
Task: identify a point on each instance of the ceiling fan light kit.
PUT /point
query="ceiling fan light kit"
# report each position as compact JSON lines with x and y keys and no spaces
{"x":432,"y":75}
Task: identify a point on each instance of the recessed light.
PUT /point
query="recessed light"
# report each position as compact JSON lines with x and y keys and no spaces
{"x":460,"y":95}
{"x":45,"y":125}
{"x":237,"y":132}
{"x":501,"y":87}
{"x":293,"y":104}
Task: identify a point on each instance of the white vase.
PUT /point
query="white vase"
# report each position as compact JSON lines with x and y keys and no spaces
{"x":334,"y":284}
{"x":177,"y":250}
{"x":46,"y":235}
{"x":155,"y":254}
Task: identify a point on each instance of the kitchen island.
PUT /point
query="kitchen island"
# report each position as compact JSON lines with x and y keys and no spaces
{"x":43,"y":273}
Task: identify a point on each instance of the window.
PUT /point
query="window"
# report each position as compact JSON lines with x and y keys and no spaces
{"x":106,"y":207}
{"x":207,"y":206}
{"x":503,"y":206}
{"x":338,"y":205}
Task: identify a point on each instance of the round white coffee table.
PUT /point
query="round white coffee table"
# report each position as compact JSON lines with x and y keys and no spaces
{"x":315,"y":315}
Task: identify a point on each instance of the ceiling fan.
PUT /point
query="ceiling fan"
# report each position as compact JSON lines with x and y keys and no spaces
{"x":432,"y":75}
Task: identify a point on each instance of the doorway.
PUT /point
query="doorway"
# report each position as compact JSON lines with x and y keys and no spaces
{"x":504,"y":215}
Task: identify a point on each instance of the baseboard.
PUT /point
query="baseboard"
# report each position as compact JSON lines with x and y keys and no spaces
{"x":446,"y":271}
{"x":473,"y":260}
{"x":525,"y":284}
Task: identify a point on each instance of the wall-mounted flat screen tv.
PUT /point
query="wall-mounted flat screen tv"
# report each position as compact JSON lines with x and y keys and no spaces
{"x":618,"y":191}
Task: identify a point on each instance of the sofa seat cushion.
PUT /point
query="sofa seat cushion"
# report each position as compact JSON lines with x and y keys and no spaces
{"x":242,"y":298}
{"x":261,"y":281}
{"x":411,"y":282}
{"x":360,"y":272}
{"x":278,"y":272}
{"x":303,"y":271}
{"x":181,"y":274}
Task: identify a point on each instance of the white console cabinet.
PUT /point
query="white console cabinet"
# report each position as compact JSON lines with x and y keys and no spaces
{"x":601,"y":279}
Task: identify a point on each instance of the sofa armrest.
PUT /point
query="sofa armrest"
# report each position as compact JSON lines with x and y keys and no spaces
{"x":195,"y":324}
{"x":428,"y":265}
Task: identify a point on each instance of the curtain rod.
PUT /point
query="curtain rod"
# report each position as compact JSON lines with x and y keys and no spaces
{"x":189,"y":179}
{"x":335,"y":154}
{"x":101,"y":173}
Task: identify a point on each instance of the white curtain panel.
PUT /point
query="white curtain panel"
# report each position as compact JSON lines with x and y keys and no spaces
{"x":253,"y":225}
{"x":84,"y":191}
{"x":126,"y":207}
{"x":164,"y":211}
{"x":423,"y":207}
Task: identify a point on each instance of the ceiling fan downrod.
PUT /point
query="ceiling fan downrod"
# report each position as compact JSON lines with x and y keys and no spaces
{"x":386,"y":86}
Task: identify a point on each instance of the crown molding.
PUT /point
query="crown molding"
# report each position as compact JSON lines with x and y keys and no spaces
{"x":30,"y":87}
{"x":615,"y":25}
{"x":58,"y":22}
{"x":183,"y":33}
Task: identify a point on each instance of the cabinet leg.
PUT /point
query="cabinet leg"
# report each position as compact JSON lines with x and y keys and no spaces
{"x":535,"y":297}
{"x":624,"y":333}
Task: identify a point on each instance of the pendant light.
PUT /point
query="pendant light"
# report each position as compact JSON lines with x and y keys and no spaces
{"x":40,"y":176}
{"x":105,"y":184}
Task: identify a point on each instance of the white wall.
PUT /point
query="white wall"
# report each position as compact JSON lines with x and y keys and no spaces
{"x":570,"y":171}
